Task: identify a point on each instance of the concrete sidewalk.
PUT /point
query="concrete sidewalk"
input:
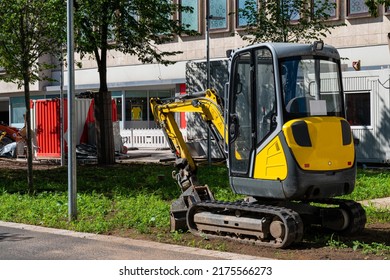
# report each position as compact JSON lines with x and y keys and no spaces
{"x":378,"y":202}
{"x":28,"y":242}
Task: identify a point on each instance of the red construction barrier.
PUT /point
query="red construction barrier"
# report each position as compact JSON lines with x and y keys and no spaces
{"x":47,"y":123}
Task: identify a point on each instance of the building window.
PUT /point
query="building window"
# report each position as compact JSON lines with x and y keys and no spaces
{"x":358,"y":108}
{"x":118,"y":104}
{"x":241,"y":5}
{"x":287,"y":9}
{"x":357,"y":7}
{"x":137,"y":113}
{"x":218,"y":14}
{"x":18,"y":109}
{"x":117,"y":96}
{"x":330,"y":10}
{"x":190,"y":19}
{"x":136,"y":109}
{"x":291,"y":10}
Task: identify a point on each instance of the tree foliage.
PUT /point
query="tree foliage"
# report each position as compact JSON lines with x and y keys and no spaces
{"x":373,"y":5}
{"x":287,"y":20}
{"x":29,"y":30}
{"x":134,"y":27}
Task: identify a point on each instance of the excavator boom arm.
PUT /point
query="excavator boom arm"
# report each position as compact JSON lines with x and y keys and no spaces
{"x":207,"y":104}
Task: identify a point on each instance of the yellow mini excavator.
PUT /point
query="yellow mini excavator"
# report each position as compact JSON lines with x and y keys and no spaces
{"x":289,"y":150}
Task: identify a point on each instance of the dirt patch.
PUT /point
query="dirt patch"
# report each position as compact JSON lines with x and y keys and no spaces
{"x":9,"y":163}
{"x":314,"y":246}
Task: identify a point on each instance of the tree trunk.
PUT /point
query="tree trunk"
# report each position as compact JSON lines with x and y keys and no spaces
{"x":103,"y":115}
{"x":104,"y":128}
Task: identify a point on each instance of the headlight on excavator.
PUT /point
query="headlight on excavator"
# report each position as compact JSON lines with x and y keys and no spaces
{"x":301,"y":135}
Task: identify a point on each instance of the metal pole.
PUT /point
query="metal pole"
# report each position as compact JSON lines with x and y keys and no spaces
{"x":208,"y":72}
{"x":72,"y":176}
{"x":62,"y":108}
{"x":208,"y":42}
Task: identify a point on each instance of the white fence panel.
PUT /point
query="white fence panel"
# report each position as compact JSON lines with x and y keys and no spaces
{"x":145,"y":138}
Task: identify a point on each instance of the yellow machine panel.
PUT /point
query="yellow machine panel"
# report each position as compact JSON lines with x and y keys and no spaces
{"x":271,"y":162}
{"x":317,"y":143}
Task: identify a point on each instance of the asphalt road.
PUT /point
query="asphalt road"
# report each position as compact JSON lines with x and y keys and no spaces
{"x":25,"y":242}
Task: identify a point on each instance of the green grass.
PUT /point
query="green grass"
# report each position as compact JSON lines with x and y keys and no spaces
{"x":109,"y":198}
{"x":137,"y":197}
{"x":375,"y":248}
{"x":371,"y":184}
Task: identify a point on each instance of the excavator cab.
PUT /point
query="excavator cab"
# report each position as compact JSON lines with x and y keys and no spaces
{"x":287,"y":135}
{"x":290,"y":151}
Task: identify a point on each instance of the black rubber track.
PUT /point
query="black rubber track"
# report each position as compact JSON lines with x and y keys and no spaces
{"x":291,"y":220}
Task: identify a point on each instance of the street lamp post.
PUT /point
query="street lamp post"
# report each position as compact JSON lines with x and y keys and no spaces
{"x":72,"y":177}
{"x":208,"y":42}
{"x":208,"y":72}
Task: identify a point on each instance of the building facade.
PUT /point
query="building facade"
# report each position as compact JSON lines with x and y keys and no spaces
{"x":363,"y":41}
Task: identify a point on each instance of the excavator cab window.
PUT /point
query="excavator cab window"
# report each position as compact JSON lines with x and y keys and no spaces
{"x":311,"y":87}
{"x":253,"y":108}
{"x":240,"y":116}
{"x":266,"y":108}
